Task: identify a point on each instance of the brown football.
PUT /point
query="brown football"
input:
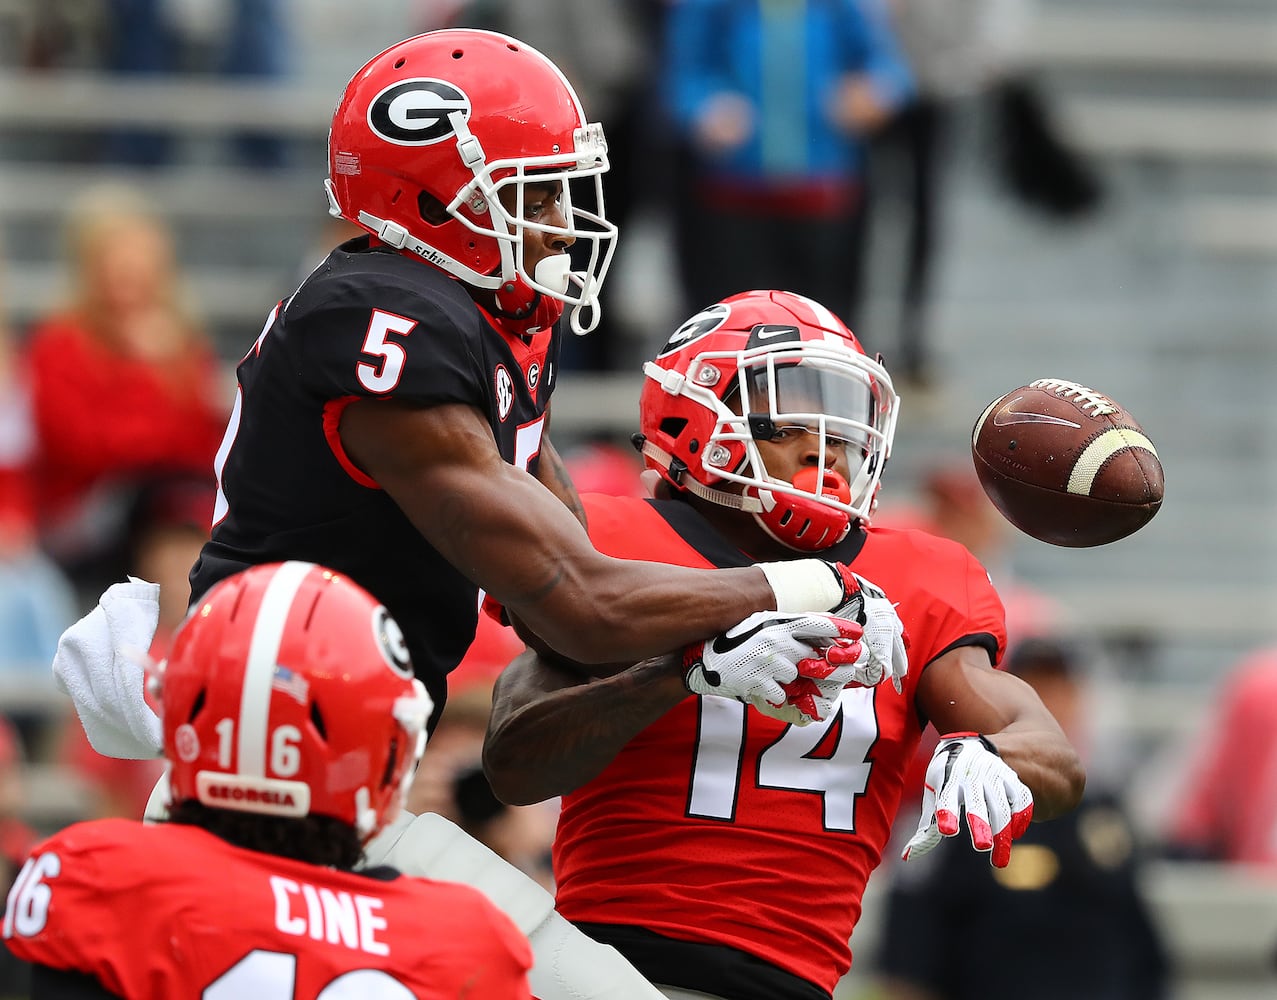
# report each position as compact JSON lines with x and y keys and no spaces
{"x":1067,"y":465}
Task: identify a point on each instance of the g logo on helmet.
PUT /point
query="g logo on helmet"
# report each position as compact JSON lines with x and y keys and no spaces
{"x":390,"y":641}
{"x":415,"y":112}
{"x":702,"y":324}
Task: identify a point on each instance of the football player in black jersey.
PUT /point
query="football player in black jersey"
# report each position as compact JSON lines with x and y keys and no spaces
{"x":390,"y":420}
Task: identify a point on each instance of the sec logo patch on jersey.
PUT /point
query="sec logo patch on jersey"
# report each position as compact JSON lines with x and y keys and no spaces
{"x":504,"y":386}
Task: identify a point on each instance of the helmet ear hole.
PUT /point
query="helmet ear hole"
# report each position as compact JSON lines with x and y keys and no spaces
{"x":432,"y":211}
{"x":673,"y":426}
{"x":198,"y":705}
{"x":389,"y":775}
{"x":317,"y":720}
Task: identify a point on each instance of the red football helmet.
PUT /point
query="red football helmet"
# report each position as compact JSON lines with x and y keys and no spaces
{"x":428,"y":133}
{"x":288,"y":691}
{"x":747,"y":368}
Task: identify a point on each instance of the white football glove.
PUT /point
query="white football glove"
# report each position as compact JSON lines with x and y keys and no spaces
{"x":883,"y":641}
{"x":759,"y":660}
{"x":966,"y":772}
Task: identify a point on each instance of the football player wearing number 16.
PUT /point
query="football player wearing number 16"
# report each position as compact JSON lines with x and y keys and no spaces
{"x":722,"y":851}
{"x":292,"y":724}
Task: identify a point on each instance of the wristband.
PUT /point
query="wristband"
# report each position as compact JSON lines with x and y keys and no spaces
{"x":804,"y":585}
{"x":984,"y":740}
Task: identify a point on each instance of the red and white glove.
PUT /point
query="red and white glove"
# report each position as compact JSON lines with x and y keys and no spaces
{"x":762,"y":659}
{"x":885,"y":653}
{"x":817,"y":583}
{"x":821,"y":681}
{"x":966,"y":772}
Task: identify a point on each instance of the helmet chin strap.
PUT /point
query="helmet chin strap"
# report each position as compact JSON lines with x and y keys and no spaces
{"x":750,"y":505}
{"x":513,"y":297}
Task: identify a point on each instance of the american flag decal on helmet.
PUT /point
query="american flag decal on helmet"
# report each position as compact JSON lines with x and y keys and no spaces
{"x":290,"y":683}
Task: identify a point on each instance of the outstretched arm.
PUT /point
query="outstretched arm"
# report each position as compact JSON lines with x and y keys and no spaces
{"x":514,"y":538}
{"x":552,"y":729}
{"x":1002,"y":760}
{"x":961,"y":692}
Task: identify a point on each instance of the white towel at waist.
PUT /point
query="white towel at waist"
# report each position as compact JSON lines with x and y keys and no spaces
{"x":100,"y":663}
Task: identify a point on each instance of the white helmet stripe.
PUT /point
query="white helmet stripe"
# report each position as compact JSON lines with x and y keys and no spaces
{"x":825,"y":317}
{"x":259,"y":672}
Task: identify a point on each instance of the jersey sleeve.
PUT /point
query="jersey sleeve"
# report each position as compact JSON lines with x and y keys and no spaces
{"x":370,"y":335}
{"x":58,"y":911}
{"x":965,"y":608}
{"x":944,"y":594}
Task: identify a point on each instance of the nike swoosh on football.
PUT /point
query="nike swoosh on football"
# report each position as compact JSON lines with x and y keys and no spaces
{"x":1006,"y":416}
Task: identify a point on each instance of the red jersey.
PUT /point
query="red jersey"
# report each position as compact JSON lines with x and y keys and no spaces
{"x":711,"y":824}
{"x":172,"y":911}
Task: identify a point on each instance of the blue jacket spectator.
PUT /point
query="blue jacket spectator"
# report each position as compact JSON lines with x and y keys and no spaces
{"x":789,"y":61}
{"x":771,"y":101}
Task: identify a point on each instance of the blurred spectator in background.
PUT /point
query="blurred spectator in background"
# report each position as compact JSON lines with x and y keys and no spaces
{"x":1065,"y":919}
{"x":960,"y":52}
{"x":234,"y":38}
{"x":771,"y":102}
{"x":603,"y":47}
{"x":1225,"y":808}
{"x":952,"y":51}
{"x":167,"y":525}
{"x":36,"y":600}
{"x":124,"y":384}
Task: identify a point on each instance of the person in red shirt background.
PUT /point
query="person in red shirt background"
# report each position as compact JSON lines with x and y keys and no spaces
{"x":124,"y":383}
{"x":1226,"y":806}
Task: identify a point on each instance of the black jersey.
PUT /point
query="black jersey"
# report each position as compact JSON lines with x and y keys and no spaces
{"x":367,"y":323}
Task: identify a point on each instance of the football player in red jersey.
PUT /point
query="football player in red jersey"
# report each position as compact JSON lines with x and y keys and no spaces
{"x":696,"y":834}
{"x":292,"y":723}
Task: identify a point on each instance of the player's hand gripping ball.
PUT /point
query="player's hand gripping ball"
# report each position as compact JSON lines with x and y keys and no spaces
{"x":1067,"y":465}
